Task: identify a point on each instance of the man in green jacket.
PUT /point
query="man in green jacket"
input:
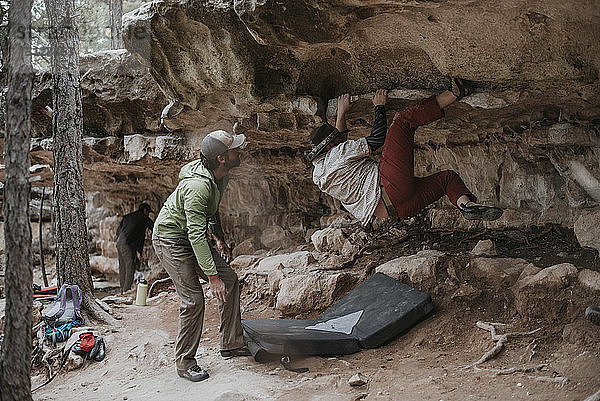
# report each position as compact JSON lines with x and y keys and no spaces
{"x":187,"y":222}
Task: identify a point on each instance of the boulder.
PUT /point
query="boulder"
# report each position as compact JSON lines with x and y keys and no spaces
{"x":104,"y":265}
{"x":545,"y":295}
{"x":553,"y":277}
{"x":73,"y":362}
{"x":485,"y":248}
{"x":243,"y":261}
{"x":312,"y":292}
{"x":529,"y":270}
{"x":329,"y":239}
{"x":587,"y":229}
{"x":501,"y":271}
{"x":590,"y":279}
{"x":296,"y":260}
{"x":419,"y":267}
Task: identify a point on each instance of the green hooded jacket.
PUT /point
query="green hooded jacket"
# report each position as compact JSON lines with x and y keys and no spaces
{"x":191,"y":210}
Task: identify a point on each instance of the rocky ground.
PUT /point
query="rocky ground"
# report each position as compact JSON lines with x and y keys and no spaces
{"x":537,"y":281}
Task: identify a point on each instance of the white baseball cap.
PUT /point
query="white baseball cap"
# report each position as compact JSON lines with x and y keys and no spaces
{"x":218,"y":142}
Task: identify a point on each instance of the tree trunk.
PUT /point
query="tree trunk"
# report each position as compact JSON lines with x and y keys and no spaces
{"x":72,"y":260}
{"x":15,"y":364}
{"x":116,"y":24}
{"x":3,"y":45}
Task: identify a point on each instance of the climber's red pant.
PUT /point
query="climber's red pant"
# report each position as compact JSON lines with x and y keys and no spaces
{"x":410,"y":194}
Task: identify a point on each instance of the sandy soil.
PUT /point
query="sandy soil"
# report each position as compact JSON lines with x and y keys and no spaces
{"x":424,"y":364}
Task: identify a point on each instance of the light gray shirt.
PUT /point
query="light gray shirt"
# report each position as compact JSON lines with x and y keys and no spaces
{"x":348,"y":173}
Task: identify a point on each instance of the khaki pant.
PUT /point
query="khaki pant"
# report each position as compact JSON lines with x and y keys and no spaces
{"x":178,"y":259}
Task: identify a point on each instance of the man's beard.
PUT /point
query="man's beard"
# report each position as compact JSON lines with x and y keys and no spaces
{"x":231,"y":162}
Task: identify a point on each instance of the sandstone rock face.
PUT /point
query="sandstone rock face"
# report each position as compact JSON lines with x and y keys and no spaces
{"x":260,"y":64}
{"x":313,"y":291}
{"x":2,"y":310}
{"x":526,"y":141}
{"x":419,"y":267}
{"x":119,"y":96}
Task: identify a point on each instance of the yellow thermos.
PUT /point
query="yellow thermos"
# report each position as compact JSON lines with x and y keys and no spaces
{"x":142,"y":292}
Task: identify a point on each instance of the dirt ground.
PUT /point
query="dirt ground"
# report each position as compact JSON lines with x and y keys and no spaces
{"x":427,"y":363}
{"x":424,"y":364}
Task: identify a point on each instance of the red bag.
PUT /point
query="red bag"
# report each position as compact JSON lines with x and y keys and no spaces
{"x":87,"y":341}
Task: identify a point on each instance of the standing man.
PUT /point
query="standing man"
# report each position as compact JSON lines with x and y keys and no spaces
{"x":185,"y":228}
{"x":131,"y":234}
{"x":366,"y":188}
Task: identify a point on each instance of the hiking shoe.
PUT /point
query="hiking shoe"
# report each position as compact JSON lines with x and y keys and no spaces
{"x":462,"y":88}
{"x":195,"y":374}
{"x":231,"y":353}
{"x":592,"y":313}
{"x":475,"y":211}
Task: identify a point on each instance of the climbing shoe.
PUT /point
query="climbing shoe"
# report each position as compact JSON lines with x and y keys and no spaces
{"x":243,"y":351}
{"x":195,"y":373}
{"x":461,"y":88}
{"x":592,"y":313}
{"x":475,"y":211}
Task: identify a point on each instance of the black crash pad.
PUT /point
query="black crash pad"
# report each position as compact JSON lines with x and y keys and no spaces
{"x":384,"y":307}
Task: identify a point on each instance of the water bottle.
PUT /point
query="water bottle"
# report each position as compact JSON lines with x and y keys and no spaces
{"x":142,"y":292}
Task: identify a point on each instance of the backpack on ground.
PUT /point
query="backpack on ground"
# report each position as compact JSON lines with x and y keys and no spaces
{"x":89,"y":346}
{"x":66,"y":307}
{"x":59,"y":333}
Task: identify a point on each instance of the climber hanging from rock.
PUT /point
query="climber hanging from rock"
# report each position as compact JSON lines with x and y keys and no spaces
{"x":344,"y":169}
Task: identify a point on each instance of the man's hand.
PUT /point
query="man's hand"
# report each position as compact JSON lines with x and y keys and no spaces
{"x":343,"y":104}
{"x":223,"y":248}
{"x":217,"y":287}
{"x":380,"y":97}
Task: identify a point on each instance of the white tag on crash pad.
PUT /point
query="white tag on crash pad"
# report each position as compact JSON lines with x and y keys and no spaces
{"x":343,"y":324}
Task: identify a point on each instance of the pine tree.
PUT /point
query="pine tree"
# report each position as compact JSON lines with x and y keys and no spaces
{"x":15,"y":363}
{"x":72,"y":260}
{"x":116,"y":25}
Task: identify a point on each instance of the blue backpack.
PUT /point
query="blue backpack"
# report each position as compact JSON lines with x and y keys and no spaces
{"x":58,"y":334}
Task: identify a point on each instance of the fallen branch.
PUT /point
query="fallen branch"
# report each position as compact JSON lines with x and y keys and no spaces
{"x":510,"y":371}
{"x":500,"y":340}
{"x":558,"y":379}
{"x":103,"y":305}
{"x":531,"y":348}
{"x":162,"y":280}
